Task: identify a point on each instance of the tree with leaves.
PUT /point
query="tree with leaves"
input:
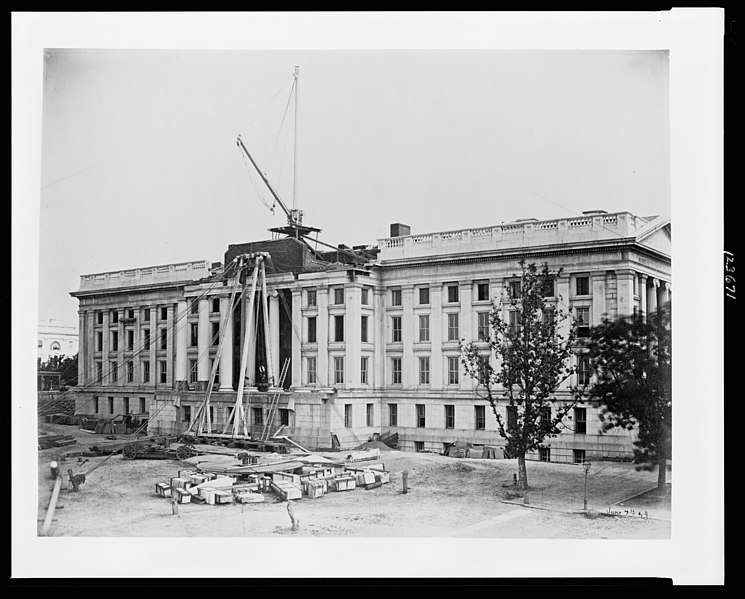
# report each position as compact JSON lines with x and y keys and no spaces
{"x":532,"y":347}
{"x":67,"y":366}
{"x":631,"y":358}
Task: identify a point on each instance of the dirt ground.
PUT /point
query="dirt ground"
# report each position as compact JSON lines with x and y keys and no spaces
{"x":447,"y":497}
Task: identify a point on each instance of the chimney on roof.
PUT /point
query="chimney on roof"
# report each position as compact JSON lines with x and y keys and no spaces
{"x":399,"y":230}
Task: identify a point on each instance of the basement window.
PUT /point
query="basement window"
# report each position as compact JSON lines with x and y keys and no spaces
{"x":419,"y":446}
{"x":579,"y":456}
{"x":544,"y":454}
{"x":480,"y":413}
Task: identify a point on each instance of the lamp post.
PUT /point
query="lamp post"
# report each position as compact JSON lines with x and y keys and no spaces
{"x":586,"y":468}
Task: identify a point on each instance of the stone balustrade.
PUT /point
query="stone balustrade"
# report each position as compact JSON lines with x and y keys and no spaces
{"x":183,"y":271}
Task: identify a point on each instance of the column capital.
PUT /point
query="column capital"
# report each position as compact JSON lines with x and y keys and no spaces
{"x":655,"y":281}
{"x":643,"y":277}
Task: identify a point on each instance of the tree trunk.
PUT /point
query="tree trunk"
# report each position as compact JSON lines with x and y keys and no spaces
{"x":661,"y":474}
{"x":522,"y":473}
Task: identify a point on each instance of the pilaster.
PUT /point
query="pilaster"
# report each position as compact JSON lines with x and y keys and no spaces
{"x":410,"y":368}
{"x":226,"y":357}
{"x":438,"y":369}
{"x":181,"y":323}
{"x":322,"y":335}
{"x":296,"y":362}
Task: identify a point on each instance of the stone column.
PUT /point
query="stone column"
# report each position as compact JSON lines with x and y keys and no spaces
{"x":170,"y":346}
{"x":180,"y":334}
{"x":661,"y":294}
{"x":598,"y":309}
{"x":352,"y":333}
{"x":625,"y":283}
{"x":437,"y":365}
{"x":378,"y":337}
{"x":274,"y":336}
{"x":643,"y":295}
{"x":203,"y":341}
{"x":668,"y":293}
{"x":83,"y":349}
{"x":105,"y":364}
{"x":154,"y":366}
{"x":226,"y":357}
{"x":296,"y":363}
{"x":122,"y":374}
{"x":652,"y":296}
{"x":409,"y":360}
{"x":322,"y":335}
{"x":466,"y":329}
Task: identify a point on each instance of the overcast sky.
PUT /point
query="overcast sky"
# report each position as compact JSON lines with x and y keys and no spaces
{"x":140,"y":165}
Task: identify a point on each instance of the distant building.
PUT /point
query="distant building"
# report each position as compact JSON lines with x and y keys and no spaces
{"x":371,"y":334}
{"x":56,"y":340}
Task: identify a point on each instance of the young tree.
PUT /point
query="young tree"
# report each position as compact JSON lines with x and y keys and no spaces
{"x":533,"y":348}
{"x":632,"y":362}
{"x":67,"y":366}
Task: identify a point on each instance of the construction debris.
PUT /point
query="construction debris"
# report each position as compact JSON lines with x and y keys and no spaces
{"x":309,"y":477}
{"x":48,"y":441}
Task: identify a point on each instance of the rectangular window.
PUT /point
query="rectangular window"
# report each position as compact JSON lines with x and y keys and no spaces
{"x":186,"y":414}
{"x":424,"y":327}
{"x":163,"y":368}
{"x":311,"y":329}
{"x":99,"y":317}
{"x":482,"y":291}
{"x":449,"y":416}
{"x":483,"y":326}
{"x":310,"y":297}
{"x":146,"y":338}
{"x":365,"y":299}
{"x":363,"y":371}
{"x":146,"y":314}
{"x":114,"y":372}
{"x":395,"y":297}
{"x":396,"y":329}
{"x":548,"y":287}
{"x":111,"y":405}
{"x":164,"y":313}
{"x":545,"y":413}
{"x":363,"y":329}
{"x":95,"y":405}
{"x":511,"y":417}
{"x":579,"y":456}
{"x":480,"y":414}
{"x":114,"y":316}
{"x":193,"y":334}
{"x":392,"y":414}
{"x":370,"y":414}
{"x":130,"y":340}
{"x":514,"y":289}
{"x":419,"y":446}
{"x":484,"y":370}
{"x":130,"y":372}
{"x":99,"y":341}
{"x":143,"y":405}
{"x":258,"y":415}
{"x":396,"y":372}
{"x":453,"y":370}
{"x":163,"y":338}
{"x":114,"y":340}
{"x":348,"y":415}
{"x":99,"y":372}
{"x":424,"y":296}
{"x":453,"y":331}
{"x":212,"y":414}
{"x":515,"y":326}
{"x":421,"y":420}
{"x":424,"y":371}
{"x":130,"y":313}
{"x":339,"y":370}
{"x":311,"y":366}
{"x":544,"y":454}
{"x":452,"y":294}
{"x":583,"y":369}
{"x":215,"y":333}
{"x":194,"y":306}
{"x":215,"y":305}
{"x":284,"y":417}
{"x":580,"y":421}
{"x":126,"y":405}
{"x":193,"y":372}
{"x":145,"y":371}
{"x":549,"y":320}
{"x":583,"y":285}
{"x":338,"y":295}
{"x":338,"y":328}
{"x":583,"y":321}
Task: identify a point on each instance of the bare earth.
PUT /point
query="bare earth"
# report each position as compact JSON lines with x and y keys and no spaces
{"x":447,"y":497}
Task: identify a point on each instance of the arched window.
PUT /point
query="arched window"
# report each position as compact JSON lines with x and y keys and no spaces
{"x":55,"y":346}
{"x":40,"y":343}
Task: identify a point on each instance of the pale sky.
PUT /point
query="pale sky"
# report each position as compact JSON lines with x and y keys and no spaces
{"x":140,"y":165}
{"x":437,"y":120}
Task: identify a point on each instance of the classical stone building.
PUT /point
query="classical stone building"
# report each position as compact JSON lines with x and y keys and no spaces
{"x":370,"y":335}
{"x":55,"y":340}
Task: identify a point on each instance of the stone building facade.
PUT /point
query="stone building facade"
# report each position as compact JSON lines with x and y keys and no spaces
{"x":370,"y":335}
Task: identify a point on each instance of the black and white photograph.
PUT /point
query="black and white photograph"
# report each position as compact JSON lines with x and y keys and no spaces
{"x":345,"y":291}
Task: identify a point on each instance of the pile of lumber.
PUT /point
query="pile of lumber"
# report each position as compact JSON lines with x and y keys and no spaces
{"x":309,"y":477}
{"x":47,"y":441}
